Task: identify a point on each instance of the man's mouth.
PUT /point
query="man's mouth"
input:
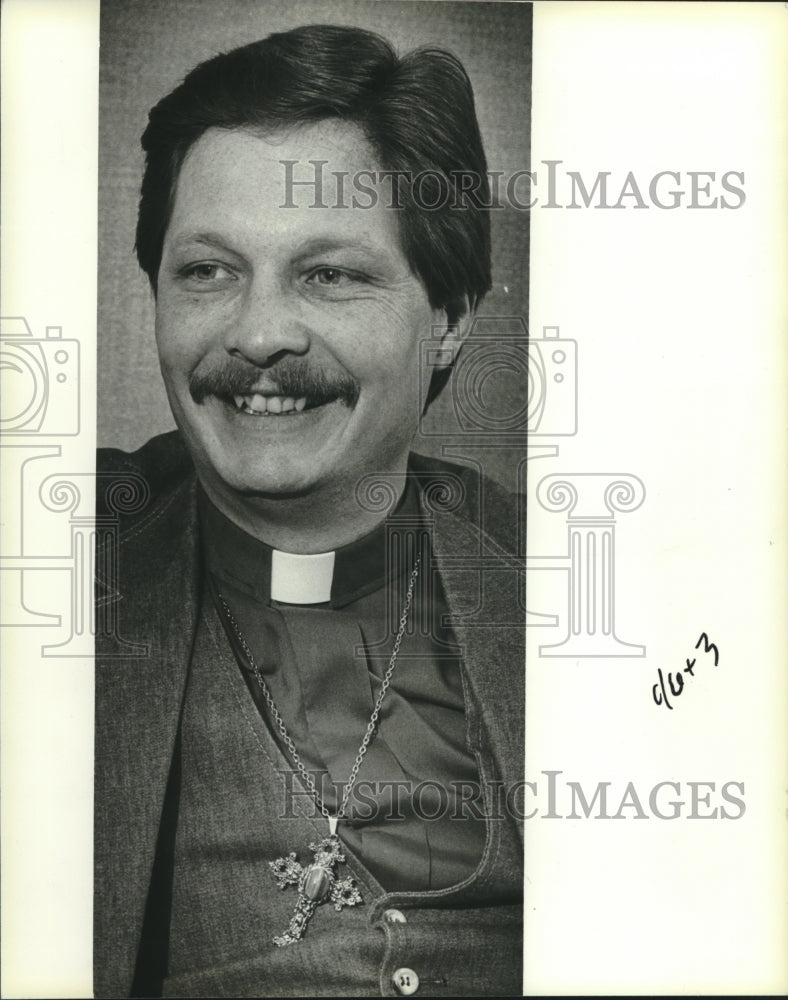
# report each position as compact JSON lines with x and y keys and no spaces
{"x":257,"y":405}
{"x":287,"y":389}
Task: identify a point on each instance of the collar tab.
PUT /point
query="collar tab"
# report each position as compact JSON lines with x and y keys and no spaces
{"x":301,"y":579}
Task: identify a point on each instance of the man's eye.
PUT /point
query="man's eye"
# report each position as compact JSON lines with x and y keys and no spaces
{"x":332,"y":277}
{"x":206,"y":272}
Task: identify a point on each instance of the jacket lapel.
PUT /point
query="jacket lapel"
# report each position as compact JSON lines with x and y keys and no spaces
{"x":482,"y":580}
{"x":138,"y":705}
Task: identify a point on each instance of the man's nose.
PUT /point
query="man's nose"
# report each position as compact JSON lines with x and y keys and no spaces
{"x":268,"y":325}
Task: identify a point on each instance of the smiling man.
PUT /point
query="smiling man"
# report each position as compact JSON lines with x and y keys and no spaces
{"x":307,"y":769}
{"x":309,"y":318}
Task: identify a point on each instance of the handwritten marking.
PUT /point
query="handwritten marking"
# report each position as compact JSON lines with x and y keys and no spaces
{"x":676,"y":684}
{"x":708,"y":646}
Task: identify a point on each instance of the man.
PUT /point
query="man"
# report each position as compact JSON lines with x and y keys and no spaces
{"x":306,"y":784}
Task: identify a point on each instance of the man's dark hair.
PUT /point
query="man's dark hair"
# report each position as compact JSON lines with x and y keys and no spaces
{"x":417,"y":112}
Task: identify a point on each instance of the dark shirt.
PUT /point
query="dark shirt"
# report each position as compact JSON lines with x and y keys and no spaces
{"x":412,"y":819}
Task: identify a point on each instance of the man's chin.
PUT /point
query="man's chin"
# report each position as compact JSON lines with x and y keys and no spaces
{"x":272,"y":480}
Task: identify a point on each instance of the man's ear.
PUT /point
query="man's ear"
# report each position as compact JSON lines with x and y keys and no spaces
{"x":451,"y":335}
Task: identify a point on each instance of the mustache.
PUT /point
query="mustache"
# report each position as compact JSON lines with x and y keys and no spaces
{"x":293,"y":377}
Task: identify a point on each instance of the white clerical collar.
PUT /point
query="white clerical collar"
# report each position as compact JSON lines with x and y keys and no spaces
{"x":301,"y":579}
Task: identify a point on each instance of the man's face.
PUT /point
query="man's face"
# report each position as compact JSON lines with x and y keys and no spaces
{"x":288,"y":337}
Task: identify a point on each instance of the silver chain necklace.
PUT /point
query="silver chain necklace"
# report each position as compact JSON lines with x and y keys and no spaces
{"x":318,"y":883}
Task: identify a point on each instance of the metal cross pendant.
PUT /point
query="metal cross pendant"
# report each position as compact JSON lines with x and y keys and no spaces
{"x":317,"y":883}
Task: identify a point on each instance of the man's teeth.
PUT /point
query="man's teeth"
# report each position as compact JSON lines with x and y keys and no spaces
{"x":263,"y":405}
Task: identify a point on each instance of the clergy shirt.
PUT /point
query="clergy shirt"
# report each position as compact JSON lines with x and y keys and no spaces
{"x":414,"y":817}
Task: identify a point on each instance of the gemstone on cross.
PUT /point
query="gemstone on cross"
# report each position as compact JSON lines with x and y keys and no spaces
{"x":317,"y":883}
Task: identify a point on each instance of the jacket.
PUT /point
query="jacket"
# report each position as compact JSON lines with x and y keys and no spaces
{"x":149,"y":587}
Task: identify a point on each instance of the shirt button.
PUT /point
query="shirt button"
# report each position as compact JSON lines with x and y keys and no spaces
{"x":394,"y":917}
{"x":406,"y":982}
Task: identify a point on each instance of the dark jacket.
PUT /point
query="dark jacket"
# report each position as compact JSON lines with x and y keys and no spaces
{"x":148,"y":598}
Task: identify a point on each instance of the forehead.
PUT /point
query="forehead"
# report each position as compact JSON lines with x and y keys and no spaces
{"x":280,"y":187}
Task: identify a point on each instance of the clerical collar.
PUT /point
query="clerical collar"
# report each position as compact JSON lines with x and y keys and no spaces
{"x":338,"y":577}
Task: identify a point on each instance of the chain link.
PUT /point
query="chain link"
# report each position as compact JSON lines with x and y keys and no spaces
{"x":306,"y":777}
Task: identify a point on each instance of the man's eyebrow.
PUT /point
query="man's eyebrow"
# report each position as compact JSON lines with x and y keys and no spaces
{"x":373,"y":252}
{"x":208,"y":239}
{"x":320,"y":245}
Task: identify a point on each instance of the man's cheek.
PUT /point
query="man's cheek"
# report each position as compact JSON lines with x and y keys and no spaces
{"x":181,"y":347}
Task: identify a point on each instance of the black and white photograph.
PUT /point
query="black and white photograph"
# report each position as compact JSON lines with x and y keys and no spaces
{"x":309,"y":677}
{"x":393,"y":498}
